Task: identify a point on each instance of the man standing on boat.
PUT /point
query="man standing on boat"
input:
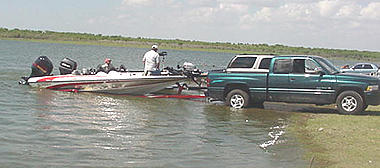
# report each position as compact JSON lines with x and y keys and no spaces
{"x":151,"y":61}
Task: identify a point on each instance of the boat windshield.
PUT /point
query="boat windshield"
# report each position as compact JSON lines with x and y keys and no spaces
{"x":330,"y":67}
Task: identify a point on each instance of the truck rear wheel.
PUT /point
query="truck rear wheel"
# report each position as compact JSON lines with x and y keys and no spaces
{"x":350,"y":102}
{"x":237,"y":98}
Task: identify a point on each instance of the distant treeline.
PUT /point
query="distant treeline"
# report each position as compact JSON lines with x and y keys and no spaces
{"x":184,"y":44}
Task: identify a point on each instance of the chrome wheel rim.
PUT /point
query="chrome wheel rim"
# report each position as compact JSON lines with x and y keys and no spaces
{"x":237,"y":101}
{"x":349,"y":103}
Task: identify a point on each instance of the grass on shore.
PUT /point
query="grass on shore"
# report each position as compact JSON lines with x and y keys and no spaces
{"x":346,"y":141}
{"x":135,"y":44}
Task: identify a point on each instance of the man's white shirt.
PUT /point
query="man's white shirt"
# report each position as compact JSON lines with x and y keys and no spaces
{"x":151,"y":59}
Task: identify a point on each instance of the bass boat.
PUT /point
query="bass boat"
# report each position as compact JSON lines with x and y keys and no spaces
{"x":120,"y":81}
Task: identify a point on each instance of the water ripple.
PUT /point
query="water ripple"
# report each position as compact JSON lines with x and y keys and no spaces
{"x":275,"y":133}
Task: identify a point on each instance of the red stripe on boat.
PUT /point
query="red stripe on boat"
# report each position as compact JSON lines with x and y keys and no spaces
{"x":51,"y":78}
{"x":69,"y":90}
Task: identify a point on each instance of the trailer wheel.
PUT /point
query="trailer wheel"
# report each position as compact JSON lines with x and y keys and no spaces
{"x":237,"y":98}
{"x":350,"y":102}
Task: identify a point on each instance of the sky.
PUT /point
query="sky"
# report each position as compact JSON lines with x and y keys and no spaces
{"x":340,"y":24}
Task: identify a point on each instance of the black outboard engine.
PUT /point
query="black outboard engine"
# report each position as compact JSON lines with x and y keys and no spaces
{"x":67,"y":66}
{"x":41,"y":67}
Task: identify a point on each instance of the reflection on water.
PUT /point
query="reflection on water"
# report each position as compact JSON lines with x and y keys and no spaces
{"x":275,"y":134}
{"x":108,"y":130}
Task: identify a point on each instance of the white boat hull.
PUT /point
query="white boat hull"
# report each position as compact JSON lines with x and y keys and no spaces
{"x":114,"y":82}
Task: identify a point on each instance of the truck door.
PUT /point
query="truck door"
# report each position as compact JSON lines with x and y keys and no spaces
{"x":308,"y":83}
{"x":278,"y":79}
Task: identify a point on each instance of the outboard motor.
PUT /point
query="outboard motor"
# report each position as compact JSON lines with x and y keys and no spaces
{"x":67,"y":66}
{"x":41,"y":67}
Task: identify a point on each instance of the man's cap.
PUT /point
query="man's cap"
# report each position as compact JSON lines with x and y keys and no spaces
{"x":154,"y":47}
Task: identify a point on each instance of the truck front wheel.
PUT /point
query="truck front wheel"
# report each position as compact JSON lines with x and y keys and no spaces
{"x":350,"y":102}
{"x":237,"y":98}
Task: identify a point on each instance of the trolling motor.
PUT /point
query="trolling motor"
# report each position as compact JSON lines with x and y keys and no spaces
{"x":42,"y":66}
{"x":190,"y":70}
{"x":163,"y":53}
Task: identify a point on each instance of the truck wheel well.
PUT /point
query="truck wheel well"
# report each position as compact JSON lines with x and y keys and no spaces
{"x":356,"y":89}
{"x":230,"y":87}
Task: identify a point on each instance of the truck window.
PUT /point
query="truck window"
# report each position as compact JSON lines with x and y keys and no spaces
{"x":282,"y":66}
{"x":299,"y":66}
{"x":326,"y":65}
{"x":311,"y":67}
{"x":243,"y":62}
{"x":265,"y":63}
{"x":305,"y":66}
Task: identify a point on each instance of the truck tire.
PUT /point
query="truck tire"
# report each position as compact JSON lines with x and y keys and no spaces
{"x":350,"y":102}
{"x":237,"y":98}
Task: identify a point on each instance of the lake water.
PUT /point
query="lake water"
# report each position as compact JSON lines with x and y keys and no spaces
{"x":42,"y":128}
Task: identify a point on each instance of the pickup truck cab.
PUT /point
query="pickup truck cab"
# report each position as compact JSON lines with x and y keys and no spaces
{"x":253,"y":79}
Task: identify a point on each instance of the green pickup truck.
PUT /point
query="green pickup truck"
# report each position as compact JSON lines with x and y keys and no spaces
{"x":253,"y":79}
